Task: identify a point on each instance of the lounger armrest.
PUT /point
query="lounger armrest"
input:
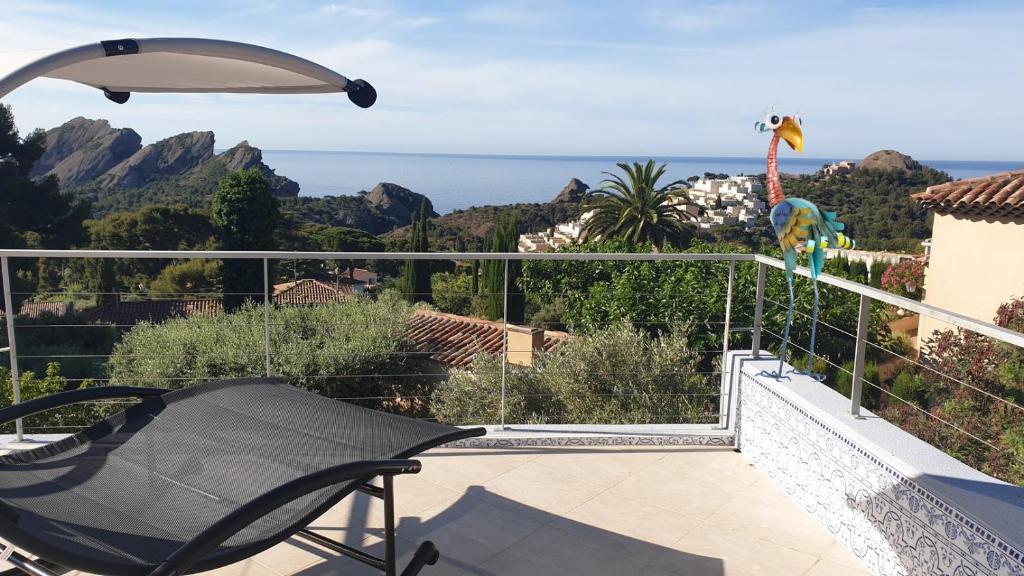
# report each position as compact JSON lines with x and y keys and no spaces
{"x":23,"y":409}
{"x":196,"y":549}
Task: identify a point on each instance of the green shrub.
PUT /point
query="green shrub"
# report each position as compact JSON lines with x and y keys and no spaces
{"x":66,"y":419}
{"x":871,"y":395}
{"x":452,"y":292}
{"x":617,"y":375}
{"x":910,"y":387}
{"x":356,"y":348}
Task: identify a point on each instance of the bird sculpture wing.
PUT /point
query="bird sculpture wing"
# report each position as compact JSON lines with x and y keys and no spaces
{"x":799,"y":223}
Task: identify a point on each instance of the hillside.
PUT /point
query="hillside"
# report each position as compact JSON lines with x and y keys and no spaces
{"x":110,"y":168}
{"x":467,"y":228}
{"x":874,"y":199}
{"x":385,"y":208}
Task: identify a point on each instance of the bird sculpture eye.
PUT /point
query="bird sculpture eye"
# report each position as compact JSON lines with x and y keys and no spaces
{"x":773,"y":121}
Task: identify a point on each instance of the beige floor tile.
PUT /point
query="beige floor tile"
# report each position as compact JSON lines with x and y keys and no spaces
{"x":460,"y":468}
{"x":839,"y":555}
{"x":664,"y":488}
{"x":598,"y":465}
{"x":625,"y":525}
{"x":722,"y":466}
{"x":248,"y":567}
{"x":829,"y":568}
{"x":544,"y":489}
{"x":554,"y":551}
{"x":473,"y":528}
{"x":765,"y":512}
{"x":738,"y":554}
{"x":404,"y":551}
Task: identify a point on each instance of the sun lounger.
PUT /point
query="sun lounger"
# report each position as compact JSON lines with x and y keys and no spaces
{"x":195,"y":479}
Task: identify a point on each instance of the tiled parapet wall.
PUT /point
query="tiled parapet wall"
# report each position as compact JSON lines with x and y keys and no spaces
{"x":898,"y":504}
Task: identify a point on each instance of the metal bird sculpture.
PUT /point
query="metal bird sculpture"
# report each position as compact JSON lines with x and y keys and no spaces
{"x":798,"y":224}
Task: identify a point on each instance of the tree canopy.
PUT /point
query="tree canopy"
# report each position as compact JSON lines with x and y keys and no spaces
{"x":246,"y":216}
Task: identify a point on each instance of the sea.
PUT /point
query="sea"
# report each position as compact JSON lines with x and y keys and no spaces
{"x":460,"y":181}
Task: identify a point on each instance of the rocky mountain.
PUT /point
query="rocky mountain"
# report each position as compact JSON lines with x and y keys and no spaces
{"x":889,"y":160}
{"x":467,"y":229}
{"x":82,"y":150}
{"x":112,"y":168}
{"x":387,"y":207}
{"x":397,"y":202}
{"x":573,"y":192}
{"x":172,"y":156}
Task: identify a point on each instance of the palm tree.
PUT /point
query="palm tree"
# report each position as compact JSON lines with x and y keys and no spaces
{"x":636,"y":209}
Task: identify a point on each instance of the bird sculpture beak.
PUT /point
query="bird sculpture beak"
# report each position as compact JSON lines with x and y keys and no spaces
{"x":790,"y":132}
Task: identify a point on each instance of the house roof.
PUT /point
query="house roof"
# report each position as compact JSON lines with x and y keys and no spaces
{"x":302,"y":292}
{"x":455,"y":340}
{"x":58,"y":309}
{"x":309,"y":291}
{"x":155,"y":311}
{"x":995,"y":195}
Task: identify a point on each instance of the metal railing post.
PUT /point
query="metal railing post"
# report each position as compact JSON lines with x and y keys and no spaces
{"x":19,"y":426}
{"x":504,"y":344}
{"x":755,"y":340}
{"x":857,"y":387}
{"x":266,"y":314}
{"x":724,"y":398}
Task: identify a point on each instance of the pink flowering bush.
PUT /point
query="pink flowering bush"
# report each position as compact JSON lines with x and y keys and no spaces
{"x":905,"y":278}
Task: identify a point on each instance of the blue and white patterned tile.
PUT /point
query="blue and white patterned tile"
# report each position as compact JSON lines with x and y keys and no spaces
{"x":892,"y":524}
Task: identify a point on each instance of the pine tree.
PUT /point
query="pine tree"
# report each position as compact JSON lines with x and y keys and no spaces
{"x":246,"y":215}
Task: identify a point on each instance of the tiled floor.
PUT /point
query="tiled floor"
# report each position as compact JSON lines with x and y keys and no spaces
{"x":597,"y":511}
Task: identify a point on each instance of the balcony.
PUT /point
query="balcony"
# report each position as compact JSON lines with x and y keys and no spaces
{"x":744,"y":474}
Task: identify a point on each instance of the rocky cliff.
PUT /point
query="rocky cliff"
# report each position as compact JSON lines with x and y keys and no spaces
{"x":172,"y":156}
{"x":82,"y":150}
{"x":888,"y":160}
{"x":384,"y":208}
{"x":574,"y":192}
{"x":397,"y":202}
{"x":112,"y":167}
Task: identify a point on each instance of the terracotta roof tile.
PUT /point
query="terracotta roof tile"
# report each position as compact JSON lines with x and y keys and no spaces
{"x":455,"y":340}
{"x":155,"y":311}
{"x":302,"y":292}
{"x":1000,"y":195}
{"x":58,"y":309}
{"x":309,"y":291}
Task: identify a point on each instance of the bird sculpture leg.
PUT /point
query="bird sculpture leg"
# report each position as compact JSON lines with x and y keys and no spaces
{"x":785,"y":333}
{"x":814,"y":331}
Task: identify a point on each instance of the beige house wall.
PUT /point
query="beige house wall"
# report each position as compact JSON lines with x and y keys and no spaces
{"x":976,"y":264}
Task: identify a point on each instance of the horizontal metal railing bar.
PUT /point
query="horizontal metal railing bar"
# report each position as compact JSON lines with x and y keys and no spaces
{"x":981,"y":327}
{"x":276,"y":255}
{"x":948,"y":377}
{"x":948,"y":316}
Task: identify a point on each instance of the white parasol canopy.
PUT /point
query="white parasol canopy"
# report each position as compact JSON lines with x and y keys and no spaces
{"x":184,"y":65}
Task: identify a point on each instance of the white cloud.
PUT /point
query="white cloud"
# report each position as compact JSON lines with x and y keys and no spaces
{"x":701,"y":18}
{"x":335,"y":8}
{"x":933,"y":86}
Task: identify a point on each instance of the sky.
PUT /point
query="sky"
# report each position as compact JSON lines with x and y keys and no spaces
{"x":937,"y":80}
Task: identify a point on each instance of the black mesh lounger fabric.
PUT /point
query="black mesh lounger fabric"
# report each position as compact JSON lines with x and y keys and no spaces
{"x":119,"y":497}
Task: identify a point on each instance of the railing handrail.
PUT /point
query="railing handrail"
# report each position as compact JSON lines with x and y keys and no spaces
{"x":948,"y":316}
{"x":291,"y":255}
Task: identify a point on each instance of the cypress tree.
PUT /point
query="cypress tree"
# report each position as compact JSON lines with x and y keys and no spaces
{"x":415,"y":280}
{"x":505,"y":238}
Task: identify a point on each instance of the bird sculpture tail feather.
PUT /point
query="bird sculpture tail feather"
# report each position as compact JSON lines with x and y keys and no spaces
{"x":829,"y":231}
